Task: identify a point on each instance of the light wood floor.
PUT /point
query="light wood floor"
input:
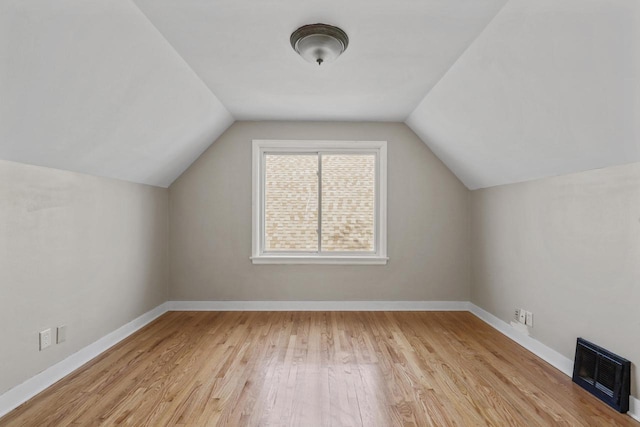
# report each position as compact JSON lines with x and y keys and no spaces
{"x":316,"y":369}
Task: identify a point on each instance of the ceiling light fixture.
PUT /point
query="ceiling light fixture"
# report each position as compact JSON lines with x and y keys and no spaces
{"x":319,"y":42}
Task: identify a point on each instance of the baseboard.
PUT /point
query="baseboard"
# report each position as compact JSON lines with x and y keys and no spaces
{"x":25,"y":391}
{"x":559,"y":361}
{"x":549,"y":355}
{"x":634,"y":408}
{"x":34,"y":385}
{"x":318,"y":305}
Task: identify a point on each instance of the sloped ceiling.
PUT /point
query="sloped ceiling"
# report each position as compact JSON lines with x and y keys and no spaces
{"x":549,"y":88}
{"x":501,"y":91}
{"x":91,"y":86}
{"x":398,"y":50}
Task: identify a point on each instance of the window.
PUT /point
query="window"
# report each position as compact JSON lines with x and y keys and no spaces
{"x":319,"y":202}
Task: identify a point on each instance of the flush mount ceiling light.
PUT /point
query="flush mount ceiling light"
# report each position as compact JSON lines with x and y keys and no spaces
{"x":319,"y":42}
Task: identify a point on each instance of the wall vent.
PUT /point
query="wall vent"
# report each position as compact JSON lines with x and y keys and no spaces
{"x":603,"y":374}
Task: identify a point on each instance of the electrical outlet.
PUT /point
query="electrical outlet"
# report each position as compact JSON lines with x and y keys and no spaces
{"x":529,"y":319}
{"x":516,"y":315}
{"x":45,"y":339}
{"x":523,"y":317}
{"x":61,"y":335}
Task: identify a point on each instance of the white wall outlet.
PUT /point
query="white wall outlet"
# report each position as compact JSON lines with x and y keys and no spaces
{"x":61,"y":334}
{"x":523,"y":317}
{"x":45,"y":339}
{"x":516,"y":315}
{"x":529,"y":320}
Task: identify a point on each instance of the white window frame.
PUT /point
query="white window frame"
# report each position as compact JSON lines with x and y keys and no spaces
{"x":262,"y":147}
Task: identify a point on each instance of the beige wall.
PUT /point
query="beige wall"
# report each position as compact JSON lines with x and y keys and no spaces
{"x":87,"y":252}
{"x":91,"y":253}
{"x":210,"y":225}
{"x":567,"y":249}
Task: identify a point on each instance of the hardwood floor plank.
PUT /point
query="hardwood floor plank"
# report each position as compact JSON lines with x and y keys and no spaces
{"x":316,"y":369}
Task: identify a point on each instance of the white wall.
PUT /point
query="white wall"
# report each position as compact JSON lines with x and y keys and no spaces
{"x":567,"y":249}
{"x":210,"y":225}
{"x":86,"y":252}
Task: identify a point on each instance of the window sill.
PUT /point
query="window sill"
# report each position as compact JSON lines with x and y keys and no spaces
{"x":341,"y":260}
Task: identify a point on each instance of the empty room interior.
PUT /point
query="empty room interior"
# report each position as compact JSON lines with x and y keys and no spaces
{"x":320,"y":213}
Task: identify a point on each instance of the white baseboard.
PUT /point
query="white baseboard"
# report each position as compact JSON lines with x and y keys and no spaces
{"x":549,"y":355}
{"x":559,"y":361}
{"x":25,"y":391}
{"x":634,"y":408}
{"x":34,"y":385}
{"x":318,"y":305}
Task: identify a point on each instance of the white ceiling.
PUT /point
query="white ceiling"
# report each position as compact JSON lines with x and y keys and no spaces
{"x":398,"y":50}
{"x":549,"y":88}
{"x":91,"y":86}
{"x":504,"y":93}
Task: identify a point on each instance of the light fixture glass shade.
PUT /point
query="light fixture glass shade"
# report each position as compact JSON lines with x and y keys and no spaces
{"x":319,"y":43}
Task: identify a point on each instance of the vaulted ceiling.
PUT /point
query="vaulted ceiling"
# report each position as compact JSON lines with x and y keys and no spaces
{"x":502,"y":91}
{"x":549,"y":88}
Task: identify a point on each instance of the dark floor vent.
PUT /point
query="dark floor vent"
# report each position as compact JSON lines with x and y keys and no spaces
{"x":604,"y":374}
